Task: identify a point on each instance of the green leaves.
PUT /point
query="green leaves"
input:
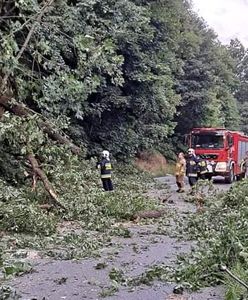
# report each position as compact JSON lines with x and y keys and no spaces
{"x":16,"y":268}
{"x":110,"y":67}
{"x":22,"y":134}
{"x":221,"y":233}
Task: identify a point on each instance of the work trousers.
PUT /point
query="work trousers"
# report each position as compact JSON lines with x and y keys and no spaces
{"x":180,"y":181}
{"x":192,"y":181}
{"x":107,"y":184}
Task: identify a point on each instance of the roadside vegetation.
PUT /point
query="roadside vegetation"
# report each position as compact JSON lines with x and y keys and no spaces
{"x":31,"y":226}
{"x":132,"y":77}
{"x":219,"y":236}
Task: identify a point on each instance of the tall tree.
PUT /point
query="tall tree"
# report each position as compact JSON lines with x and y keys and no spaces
{"x":207,"y":81}
{"x":240,"y":55}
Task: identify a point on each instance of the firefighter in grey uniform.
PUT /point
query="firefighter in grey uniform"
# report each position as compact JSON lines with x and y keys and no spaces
{"x":105,"y":167}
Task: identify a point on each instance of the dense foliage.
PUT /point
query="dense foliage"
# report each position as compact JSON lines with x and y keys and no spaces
{"x":240,"y":55}
{"x":126,"y":75}
{"x":118,"y":74}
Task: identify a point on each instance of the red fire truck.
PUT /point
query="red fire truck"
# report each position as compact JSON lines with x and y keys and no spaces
{"x":224,"y":151}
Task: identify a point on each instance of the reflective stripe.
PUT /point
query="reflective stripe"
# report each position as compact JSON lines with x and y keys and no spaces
{"x":192,"y":175}
{"x":108,"y":166}
{"x":106,"y":176}
{"x":204,"y":172}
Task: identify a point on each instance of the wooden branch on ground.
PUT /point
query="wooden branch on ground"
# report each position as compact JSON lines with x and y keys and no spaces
{"x":34,"y":181}
{"x":147,"y":214}
{"x":46,"y":207}
{"x":225,"y":269}
{"x":48,"y":186}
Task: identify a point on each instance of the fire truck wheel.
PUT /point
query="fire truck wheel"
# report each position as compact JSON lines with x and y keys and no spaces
{"x":230,"y":178}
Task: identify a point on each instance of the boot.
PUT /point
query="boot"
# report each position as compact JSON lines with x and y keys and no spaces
{"x":181,"y":190}
{"x":179,"y":187}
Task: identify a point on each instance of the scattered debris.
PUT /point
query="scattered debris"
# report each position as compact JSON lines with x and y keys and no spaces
{"x":225,"y":269}
{"x":178,"y":290}
{"x":148,"y":214}
{"x":8,"y":293}
{"x":101,"y":266}
{"x":177,"y":297}
{"x":61,"y":280}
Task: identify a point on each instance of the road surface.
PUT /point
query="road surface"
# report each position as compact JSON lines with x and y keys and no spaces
{"x":147,"y":246}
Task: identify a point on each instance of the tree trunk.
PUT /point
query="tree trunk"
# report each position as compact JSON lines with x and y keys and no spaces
{"x":58,"y":137}
{"x":48,"y":186}
{"x":22,"y":111}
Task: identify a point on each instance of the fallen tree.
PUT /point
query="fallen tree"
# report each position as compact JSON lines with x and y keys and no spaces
{"x":38,"y":172}
{"x":6,"y":103}
{"x":23,"y":111}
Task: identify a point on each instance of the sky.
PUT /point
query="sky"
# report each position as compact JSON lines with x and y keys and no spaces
{"x":228,"y":18}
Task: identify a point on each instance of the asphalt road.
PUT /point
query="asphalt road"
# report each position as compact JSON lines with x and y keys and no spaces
{"x":134,"y":255}
{"x":218,"y":182}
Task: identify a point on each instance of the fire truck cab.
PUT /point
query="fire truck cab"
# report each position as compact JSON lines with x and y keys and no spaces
{"x":224,"y":151}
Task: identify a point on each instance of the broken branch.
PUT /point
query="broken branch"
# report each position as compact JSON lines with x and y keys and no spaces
{"x":225,"y":269}
{"x":22,"y":111}
{"x":37,"y":170}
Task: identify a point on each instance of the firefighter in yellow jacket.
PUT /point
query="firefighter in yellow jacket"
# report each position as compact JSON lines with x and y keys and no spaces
{"x":180,"y":172}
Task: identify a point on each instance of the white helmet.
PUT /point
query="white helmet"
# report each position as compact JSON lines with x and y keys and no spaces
{"x":191,"y":151}
{"x":105,"y":154}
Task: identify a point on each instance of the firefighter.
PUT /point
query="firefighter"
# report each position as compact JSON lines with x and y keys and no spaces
{"x":202,"y":168}
{"x":105,"y":167}
{"x":192,"y":168}
{"x":246,"y":164}
{"x":180,"y":172}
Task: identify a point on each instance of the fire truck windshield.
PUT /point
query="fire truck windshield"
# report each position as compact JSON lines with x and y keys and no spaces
{"x":213,"y":141}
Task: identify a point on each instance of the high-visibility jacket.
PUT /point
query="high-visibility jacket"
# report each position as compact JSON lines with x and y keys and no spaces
{"x":105,"y":168}
{"x":202,"y":167}
{"x":192,"y":167}
{"x":180,"y":167}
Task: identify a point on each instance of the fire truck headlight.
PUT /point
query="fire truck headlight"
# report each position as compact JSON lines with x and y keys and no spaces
{"x":221,"y":167}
